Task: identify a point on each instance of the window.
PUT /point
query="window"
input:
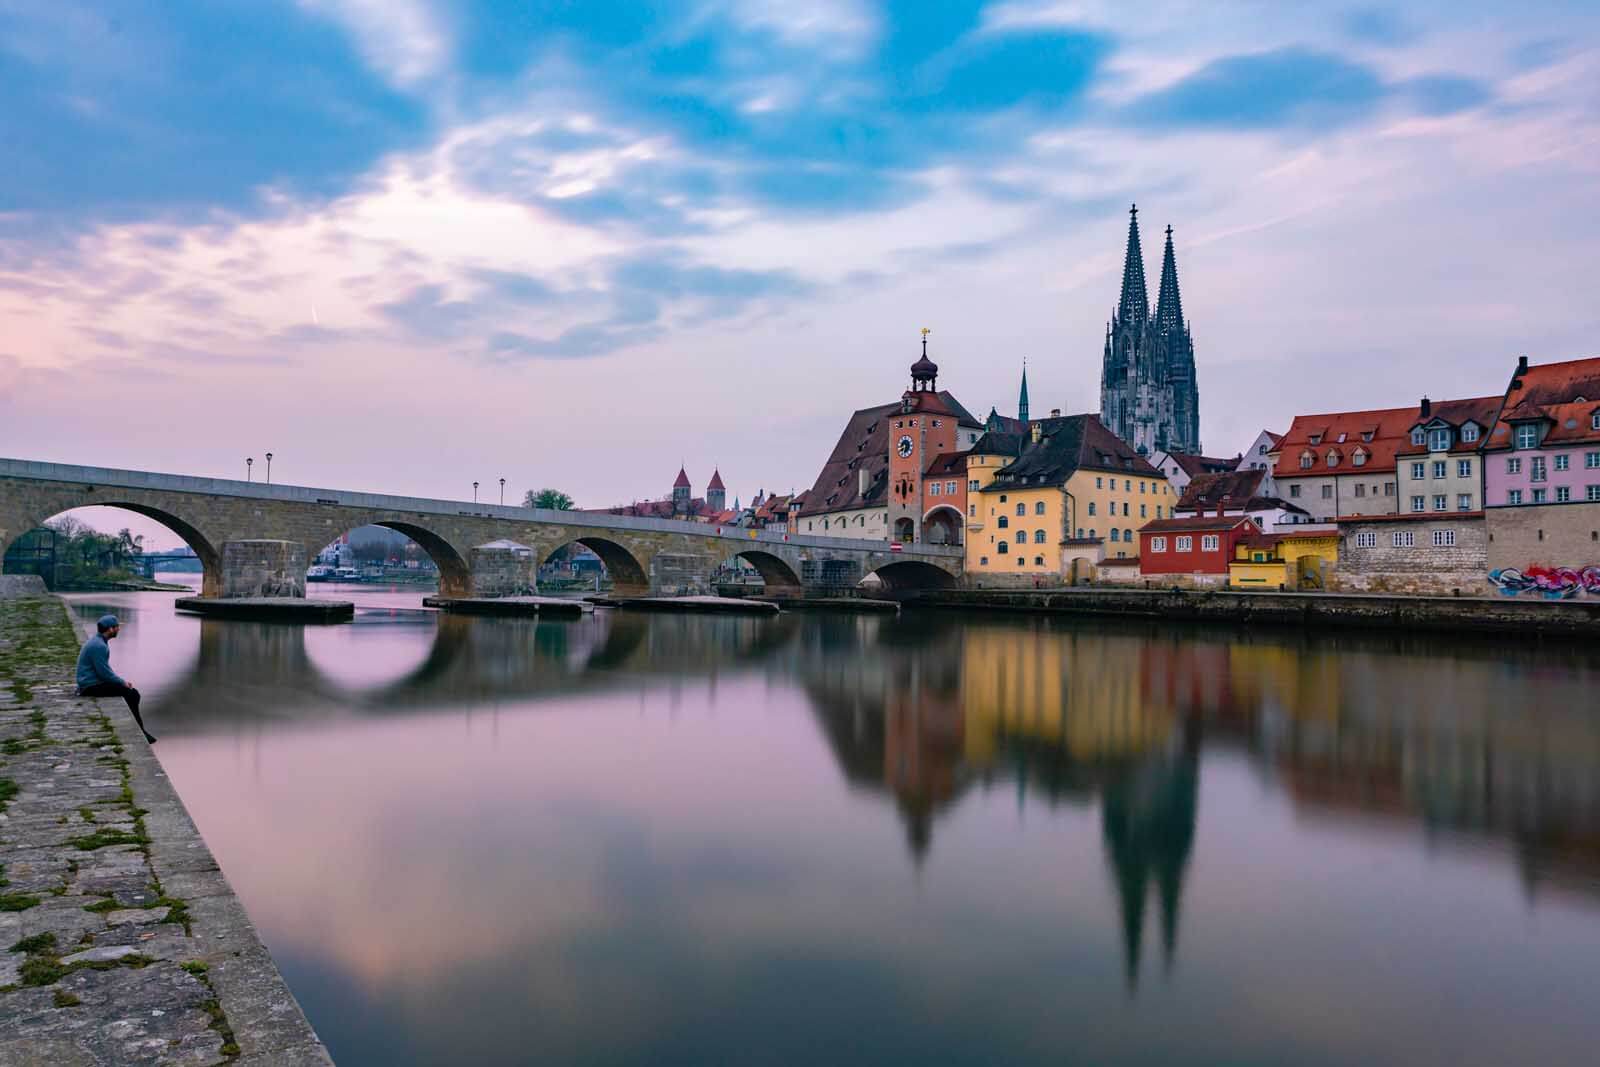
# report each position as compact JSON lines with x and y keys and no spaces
{"x":1444,"y":538}
{"x":1209,"y":542}
{"x":1261,"y":450}
{"x":1562,"y":462}
{"x":1527,"y":436}
{"x":1563,"y":494}
{"x":1419,"y":503}
{"x":1294,"y":491}
{"x":1091,"y":507}
{"x":1080,"y":533}
{"x":1127,"y":485}
{"x":1127,"y":535}
{"x":1144,"y":511}
{"x":1514,"y":465}
{"x":1158,"y":507}
{"x":1038,"y":537}
{"x":972,"y":511}
{"x":1306,"y":460}
{"x":1002,"y":548}
{"x":1407,"y":539}
{"x":1469,"y":432}
{"x":1327,"y":492}
{"x":1367,"y":539}
{"x":1438,"y":440}
{"x":1591,"y":492}
{"x":1141,"y":487}
{"x":1022,"y":509}
{"x":934,"y":489}
{"x":1537,"y":471}
{"x":1333,"y":458}
{"x":935,"y":424}
{"x":1004,"y":522}
{"x":1440,"y":502}
{"x":1099,"y":483}
{"x":1594,"y":421}
{"x":1116,"y":534}
{"x":1463,"y":468}
{"x":1159,"y":544}
{"x":983,"y":561}
{"x":1438,"y":468}
{"x":1419,"y":471}
{"x":972,"y":486}
{"x":1022,"y":561}
{"x":1514,"y":496}
{"x":1184,"y":544}
{"x":1538,"y":496}
{"x":1388,"y":489}
{"x":1417,"y":436}
{"x":1591,"y":460}
{"x":1038,"y":508}
{"x":1463,"y":501}
{"x":1038,"y":561}
{"x":1359,"y":459}
{"x":1361,"y":490}
{"x":1002,"y":498}
{"x":1125,"y":507}
{"x":1315,"y":438}
{"x":1022,"y":537}
{"x":1092,"y":534}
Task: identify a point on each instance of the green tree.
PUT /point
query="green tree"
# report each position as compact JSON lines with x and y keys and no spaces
{"x":553,"y":499}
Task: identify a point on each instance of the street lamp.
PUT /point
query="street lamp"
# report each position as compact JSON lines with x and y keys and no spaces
{"x":474,"y":492}
{"x":502,"y":492}
{"x":269,"y":468}
{"x":249,"y":462}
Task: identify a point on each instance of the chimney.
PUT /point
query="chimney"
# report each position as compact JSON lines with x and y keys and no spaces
{"x":863,"y":482}
{"x":1055,"y":413}
{"x":1427,"y":407}
{"x":1522,"y":365}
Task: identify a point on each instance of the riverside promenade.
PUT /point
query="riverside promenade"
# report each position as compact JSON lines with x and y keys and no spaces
{"x":120,"y":940}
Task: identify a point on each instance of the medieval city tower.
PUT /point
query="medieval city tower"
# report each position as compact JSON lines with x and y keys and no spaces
{"x":1149,"y":395}
{"x":924,"y":426}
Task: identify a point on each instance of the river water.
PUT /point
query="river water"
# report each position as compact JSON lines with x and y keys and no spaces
{"x":861,"y":840}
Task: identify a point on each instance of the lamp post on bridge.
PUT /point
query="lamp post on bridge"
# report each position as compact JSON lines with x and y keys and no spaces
{"x":249,"y":461}
{"x":502,"y":492}
{"x":269,"y":468}
{"x":474,"y":492}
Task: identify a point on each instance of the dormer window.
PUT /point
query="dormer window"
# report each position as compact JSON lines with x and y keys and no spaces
{"x":1333,"y":457}
{"x":1527,"y":435}
{"x":1439,"y":439}
{"x":1366,"y":435}
{"x":1359,"y":459}
{"x":1417,"y":436}
{"x":1316,"y":438}
{"x":1469,"y":432}
{"x":1306,"y":460}
{"x":1594,"y":421}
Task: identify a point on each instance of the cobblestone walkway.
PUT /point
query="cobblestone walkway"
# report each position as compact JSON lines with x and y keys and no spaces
{"x":120,"y":940}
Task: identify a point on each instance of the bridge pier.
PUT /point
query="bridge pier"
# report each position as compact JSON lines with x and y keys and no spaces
{"x":261,"y":568}
{"x":501,"y":571}
{"x":679,"y":574}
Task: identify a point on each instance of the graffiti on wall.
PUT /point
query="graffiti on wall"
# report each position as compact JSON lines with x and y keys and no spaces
{"x":1553,"y":583}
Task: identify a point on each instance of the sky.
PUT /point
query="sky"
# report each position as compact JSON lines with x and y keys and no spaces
{"x":407,"y":245}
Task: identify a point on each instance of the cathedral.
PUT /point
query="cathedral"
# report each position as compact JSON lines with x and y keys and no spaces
{"x":1148,"y":393}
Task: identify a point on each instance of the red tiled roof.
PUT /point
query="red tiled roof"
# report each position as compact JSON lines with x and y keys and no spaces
{"x":681,"y":481}
{"x":1551,"y":390}
{"x":1389,"y":430}
{"x":1456,"y":414}
{"x":1186,"y":523}
{"x":714,"y":483}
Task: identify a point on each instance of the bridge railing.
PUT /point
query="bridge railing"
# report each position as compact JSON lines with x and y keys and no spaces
{"x":184,"y":483}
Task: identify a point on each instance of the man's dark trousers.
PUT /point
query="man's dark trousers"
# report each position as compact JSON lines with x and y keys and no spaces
{"x":112,"y":689}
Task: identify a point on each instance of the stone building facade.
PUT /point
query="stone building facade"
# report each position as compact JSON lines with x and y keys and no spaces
{"x":1426,"y":554}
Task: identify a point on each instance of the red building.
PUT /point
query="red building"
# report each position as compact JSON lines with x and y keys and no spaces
{"x":944,"y":499}
{"x":1193,"y":544}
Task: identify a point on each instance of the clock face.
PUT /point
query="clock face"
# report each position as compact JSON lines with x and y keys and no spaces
{"x":905,"y":446}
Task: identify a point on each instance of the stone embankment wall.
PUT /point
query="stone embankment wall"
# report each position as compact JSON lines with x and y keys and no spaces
{"x":1544,"y":618}
{"x":120,"y":940}
{"x":1421,"y":569}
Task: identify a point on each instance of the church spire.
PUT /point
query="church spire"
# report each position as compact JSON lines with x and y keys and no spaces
{"x":1169,"y":308}
{"x":1022,"y":397}
{"x":1134,"y":307}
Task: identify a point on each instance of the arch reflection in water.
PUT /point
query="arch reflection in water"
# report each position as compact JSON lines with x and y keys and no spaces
{"x":653,"y":813}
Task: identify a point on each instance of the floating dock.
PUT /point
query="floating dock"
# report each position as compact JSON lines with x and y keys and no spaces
{"x":549,"y":606}
{"x":707,"y":605}
{"x":846,"y":605}
{"x":268,"y":608}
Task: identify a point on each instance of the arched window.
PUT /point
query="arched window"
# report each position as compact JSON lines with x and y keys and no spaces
{"x":1022,"y":537}
{"x":1022,"y":509}
{"x":1116,"y":535}
{"x":1038,"y":537}
{"x":1038,"y":561}
{"x":1306,"y":460}
{"x":1359,"y":459}
{"x":1127,"y":535}
{"x":824,"y":524}
{"x":1080,"y":533}
{"x":1038,"y":508}
{"x":1004,"y":522}
{"x":1004,"y":548}
{"x":1333,"y":457}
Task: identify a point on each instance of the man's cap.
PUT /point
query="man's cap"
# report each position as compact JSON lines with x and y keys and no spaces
{"x":107,"y":622}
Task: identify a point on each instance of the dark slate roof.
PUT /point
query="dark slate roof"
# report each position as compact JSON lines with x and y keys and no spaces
{"x":864,"y":445}
{"x":1067,"y":445}
{"x":1194,"y":465}
{"x":1240,"y":490}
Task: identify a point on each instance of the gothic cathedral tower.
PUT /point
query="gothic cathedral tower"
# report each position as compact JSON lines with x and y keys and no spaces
{"x":1149,"y":395}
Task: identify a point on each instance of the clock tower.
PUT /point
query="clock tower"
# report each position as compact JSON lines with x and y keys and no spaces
{"x":923,"y":427}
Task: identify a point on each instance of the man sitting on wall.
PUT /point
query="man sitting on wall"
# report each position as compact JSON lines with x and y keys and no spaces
{"x":95,"y":676}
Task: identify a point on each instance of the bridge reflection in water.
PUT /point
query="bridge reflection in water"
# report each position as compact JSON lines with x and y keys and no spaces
{"x":1452,"y":741}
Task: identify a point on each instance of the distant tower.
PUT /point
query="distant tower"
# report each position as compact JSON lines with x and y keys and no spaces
{"x":1022,"y":397}
{"x":680,"y":493}
{"x":716,"y":492}
{"x":1148,"y":393}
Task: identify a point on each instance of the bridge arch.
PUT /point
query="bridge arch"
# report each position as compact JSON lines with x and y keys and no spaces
{"x":629,"y":577}
{"x":905,"y":575}
{"x":943,"y":525}
{"x":776,"y":575}
{"x":455,"y":573}
{"x":209,"y":555}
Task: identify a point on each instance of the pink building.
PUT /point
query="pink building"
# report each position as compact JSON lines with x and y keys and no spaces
{"x":1545,"y":446}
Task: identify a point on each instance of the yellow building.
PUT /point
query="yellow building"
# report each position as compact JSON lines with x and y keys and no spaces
{"x":1049,"y":505}
{"x":1300,"y":560}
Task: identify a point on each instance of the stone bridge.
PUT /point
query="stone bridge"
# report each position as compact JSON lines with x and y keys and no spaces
{"x":254,"y":539}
